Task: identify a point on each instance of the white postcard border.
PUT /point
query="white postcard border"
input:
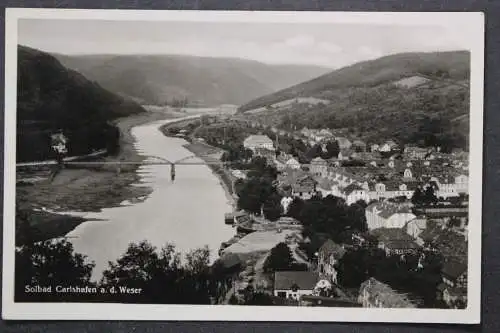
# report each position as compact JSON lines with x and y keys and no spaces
{"x":101,"y":311}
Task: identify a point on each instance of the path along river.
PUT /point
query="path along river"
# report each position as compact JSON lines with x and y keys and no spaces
{"x":188,"y":212}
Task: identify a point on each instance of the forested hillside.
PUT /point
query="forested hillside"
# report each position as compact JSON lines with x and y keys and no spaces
{"x":52,"y":97}
{"x":418,"y":98}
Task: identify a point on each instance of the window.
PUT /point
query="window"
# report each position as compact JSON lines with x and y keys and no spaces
{"x":282,"y":294}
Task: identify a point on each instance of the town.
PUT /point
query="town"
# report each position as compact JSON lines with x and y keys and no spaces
{"x":329,"y":220}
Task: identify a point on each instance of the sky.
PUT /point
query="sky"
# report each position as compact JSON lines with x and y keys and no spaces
{"x":332,"y":45}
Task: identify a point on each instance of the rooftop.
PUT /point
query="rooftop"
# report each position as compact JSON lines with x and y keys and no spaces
{"x":263,"y":139}
{"x":285,"y":280}
{"x":454,"y":268}
{"x":385,"y":294}
{"x":330,"y":247}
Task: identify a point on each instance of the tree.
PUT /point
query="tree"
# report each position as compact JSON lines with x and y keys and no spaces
{"x":160,"y":276}
{"x":279,"y":259}
{"x":354,"y":268}
{"x":272,"y":207}
{"x":50,"y":263}
{"x":418,"y":197}
{"x":313,"y":152}
{"x":257,"y":298}
{"x":254,"y":193}
{"x":356,"y":213}
{"x":429,"y":195}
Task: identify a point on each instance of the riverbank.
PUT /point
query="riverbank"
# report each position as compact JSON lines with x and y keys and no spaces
{"x":211,"y":156}
{"x":89,"y":189}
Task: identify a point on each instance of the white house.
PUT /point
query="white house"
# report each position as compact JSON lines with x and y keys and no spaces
{"x":258,"y":141}
{"x":375,"y":294}
{"x":292,"y":163}
{"x":294,"y":284}
{"x":387,"y":215}
{"x":344,"y":143}
{"x":353,"y":193}
{"x":319,"y":167}
{"x":415,"y":227}
{"x":388,"y":146}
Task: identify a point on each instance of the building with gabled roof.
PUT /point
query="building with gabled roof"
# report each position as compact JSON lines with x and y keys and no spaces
{"x":375,"y":294}
{"x":253,"y":142}
{"x":353,"y":193}
{"x":395,"y":241}
{"x":387,"y":215}
{"x":328,"y":256}
{"x":294,"y":284}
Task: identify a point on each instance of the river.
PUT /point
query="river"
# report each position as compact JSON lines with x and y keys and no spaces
{"x":188,"y":212}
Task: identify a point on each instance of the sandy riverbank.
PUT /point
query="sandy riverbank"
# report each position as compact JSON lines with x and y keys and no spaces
{"x":85,"y":189}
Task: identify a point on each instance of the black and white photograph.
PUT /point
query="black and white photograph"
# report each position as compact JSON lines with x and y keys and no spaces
{"x":257,"y":166}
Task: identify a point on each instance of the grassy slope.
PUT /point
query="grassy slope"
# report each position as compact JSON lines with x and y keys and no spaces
{"x":157,"y":79}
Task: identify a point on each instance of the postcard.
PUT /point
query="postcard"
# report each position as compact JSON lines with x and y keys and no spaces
{"x":243,"y":166}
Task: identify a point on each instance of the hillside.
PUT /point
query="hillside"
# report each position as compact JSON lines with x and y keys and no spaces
{"x":162,"y":79}
{"x":52,"y":97}
{"x":413,"y":97}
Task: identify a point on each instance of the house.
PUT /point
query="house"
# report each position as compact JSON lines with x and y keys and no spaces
{"x":359,"y":146}
{"x":353,"y":193}
{"x":415,"y":227}
{"x":304,"y":187}
{"x":345,"y":153}
{"x":395,"y":241}
{"x":292,"y":163}
{"x":59,"y":142}
{"x":328,"y":256}
{"x":318,"y":167}
{"x":327,"y":187}
{"x":392,"y":189}
{"x":415,"y":153}
{"x":387,"y":215}
{"x":232,"y":218}
{"x":455,"y":297}
{"x":323,"y":301}
{"x":258,"y":141}
{"x":454,"y":274}
{"x":375,"y":294}
{"x":294,"y":284}
{"x":388,"y":146}
{"x":453,"y":289}
{"x":264,"y":152}
{"x":374,"y":147}
{"x":344,"y":143}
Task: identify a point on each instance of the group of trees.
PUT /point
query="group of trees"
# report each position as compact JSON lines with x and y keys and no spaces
{"x":329,"y":216}
{"x":329,"y":150}
{"x":258,"y":193}
{"x":425,"y":196}
{"x":158,"y":274}
{"x":236,"y":153}
{"x":281,"y":259}
{"x":418,"y":273}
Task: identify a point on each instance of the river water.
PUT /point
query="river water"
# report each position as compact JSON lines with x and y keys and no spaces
{"x":188,"y":212}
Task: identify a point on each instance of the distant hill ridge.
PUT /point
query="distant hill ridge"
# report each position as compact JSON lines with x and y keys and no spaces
{"x":162,"y":79}
{"x":51,"y":97}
